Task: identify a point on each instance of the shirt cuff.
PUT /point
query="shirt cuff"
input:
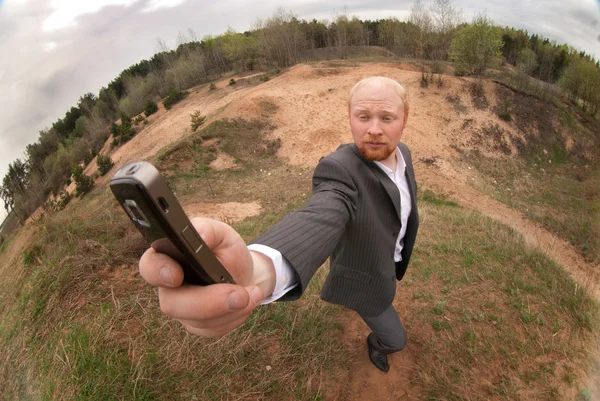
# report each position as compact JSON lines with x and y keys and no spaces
{"x":285,"y":277}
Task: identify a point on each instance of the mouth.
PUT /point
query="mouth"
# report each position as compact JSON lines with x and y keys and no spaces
{"x":375,"y":144}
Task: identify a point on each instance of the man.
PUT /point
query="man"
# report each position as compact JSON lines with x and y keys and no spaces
{"x":362,"y":214}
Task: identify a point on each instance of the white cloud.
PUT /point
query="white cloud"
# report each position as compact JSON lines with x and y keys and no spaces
{"x":66,"y":11}
{"x":49,"y":46}
{"x":154,"y":5}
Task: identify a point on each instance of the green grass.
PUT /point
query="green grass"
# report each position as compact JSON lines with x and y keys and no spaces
{"x":490,"y":317}
{"x":563,"y":198}
{"x":81,"y":326}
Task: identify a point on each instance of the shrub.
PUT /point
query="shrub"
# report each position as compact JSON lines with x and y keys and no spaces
{"x":83,"y":183}
{"x":173,"y":96}
{"x":138,"y":119}
{"x":150,"y":108}
{"x":426,"y":78}
{"x":232,"y":81}
{"x":212,"y":86}
{"x":104,"y":163}
{"x":197,"y":120}
{"x":59,"y":203}
{"x":114,"y":129}
{"x":126,"y":131}
{"x":505,"y":110}
{"x":264,"y":78}
{"x":87,"y":158}
{"x":63,"y":199}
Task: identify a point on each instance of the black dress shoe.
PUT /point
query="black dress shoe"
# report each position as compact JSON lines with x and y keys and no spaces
{"x":378,"y":358}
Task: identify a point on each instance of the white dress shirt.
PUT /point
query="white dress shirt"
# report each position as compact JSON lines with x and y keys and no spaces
{"x":284,"y":272}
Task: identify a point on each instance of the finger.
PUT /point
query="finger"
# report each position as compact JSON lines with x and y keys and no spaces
{"x":205,"y":303}
{"x":160,"y":270}
{"x":217,"y":331}
{"x":226,"y":244}
{"x":213,"y":232}
{"x":220,"y":321}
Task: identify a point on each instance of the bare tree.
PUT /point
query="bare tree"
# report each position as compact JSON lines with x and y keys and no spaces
{"x":281,"y":38}
{"x":161,"y":46}
{"x":446,"y":16}
{"x":421,"y":18}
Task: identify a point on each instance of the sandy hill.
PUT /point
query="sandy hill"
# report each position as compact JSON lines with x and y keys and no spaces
{"x":308,"y":104}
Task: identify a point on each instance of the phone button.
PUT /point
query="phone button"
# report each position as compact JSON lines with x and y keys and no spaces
{"x":132,"y":169}
{"x":192,"y":238}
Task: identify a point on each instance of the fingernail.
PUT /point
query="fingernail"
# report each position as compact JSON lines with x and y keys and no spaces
{"x":166,"y":276}
{"x":256,"y":294}
{"x":236,"y":301}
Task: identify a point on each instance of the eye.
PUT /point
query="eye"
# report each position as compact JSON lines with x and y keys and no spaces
{"x":363,"y":117}
{"x":387,"y":119}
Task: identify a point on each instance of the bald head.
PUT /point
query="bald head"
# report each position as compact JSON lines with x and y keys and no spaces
{"x":378,"y":82}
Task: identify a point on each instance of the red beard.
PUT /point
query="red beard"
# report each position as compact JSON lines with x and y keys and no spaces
{"x":375,"y":154}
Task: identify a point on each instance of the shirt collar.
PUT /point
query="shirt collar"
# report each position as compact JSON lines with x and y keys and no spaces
{"x":400,"y":167}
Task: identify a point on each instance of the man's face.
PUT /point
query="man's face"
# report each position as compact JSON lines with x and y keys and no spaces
{"x":376,"y":121}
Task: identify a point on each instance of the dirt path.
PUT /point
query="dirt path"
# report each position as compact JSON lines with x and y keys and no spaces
{"x":585,"y":274}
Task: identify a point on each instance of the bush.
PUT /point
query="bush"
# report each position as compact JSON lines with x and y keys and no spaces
{"x":138,"y":119}
{"x":126,"y":131}
{"x":475,"y":45}
{"x":114,"y":129}
{"x":264,"y":78}
{"x":150,"y":108}
{"x":212,"y":86}
{"x":104,"y":163}
{"x":173,"y":96}
{"x":197,"y":120}
{"x":83,"y":183}
{"x":59,"y":203}
{"x":87,"y":158}
{"x":232,"y":81}
{"x":505,"y":110}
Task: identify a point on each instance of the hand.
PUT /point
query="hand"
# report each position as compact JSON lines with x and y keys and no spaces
{"x":216,"y":309}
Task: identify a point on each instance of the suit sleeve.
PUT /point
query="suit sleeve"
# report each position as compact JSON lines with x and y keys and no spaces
{"x":307,"y":236}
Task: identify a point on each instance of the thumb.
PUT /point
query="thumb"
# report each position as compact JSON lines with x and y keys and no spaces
{"x":256,"y":295}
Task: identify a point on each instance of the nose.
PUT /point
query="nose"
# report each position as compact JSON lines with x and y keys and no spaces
{"x":374,"y":127}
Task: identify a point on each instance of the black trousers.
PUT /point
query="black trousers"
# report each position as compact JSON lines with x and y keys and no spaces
{"x":389,"y":335}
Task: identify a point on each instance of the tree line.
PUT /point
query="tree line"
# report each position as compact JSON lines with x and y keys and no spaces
{"x":438,"y":33}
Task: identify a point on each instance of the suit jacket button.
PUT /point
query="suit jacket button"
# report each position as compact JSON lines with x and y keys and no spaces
{"x":395,"y":234}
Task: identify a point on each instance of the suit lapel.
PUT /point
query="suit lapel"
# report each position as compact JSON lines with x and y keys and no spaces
{"x":387,"y":183}
{"x":410,"y":177}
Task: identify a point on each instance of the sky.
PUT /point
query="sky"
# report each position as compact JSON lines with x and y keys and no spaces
{"x":54,"y":51}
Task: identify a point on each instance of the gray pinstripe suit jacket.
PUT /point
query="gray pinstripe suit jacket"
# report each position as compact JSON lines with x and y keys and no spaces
{"x":354,"y":217}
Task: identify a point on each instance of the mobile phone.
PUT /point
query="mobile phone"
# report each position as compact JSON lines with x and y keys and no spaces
{"x":152,"y":207}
